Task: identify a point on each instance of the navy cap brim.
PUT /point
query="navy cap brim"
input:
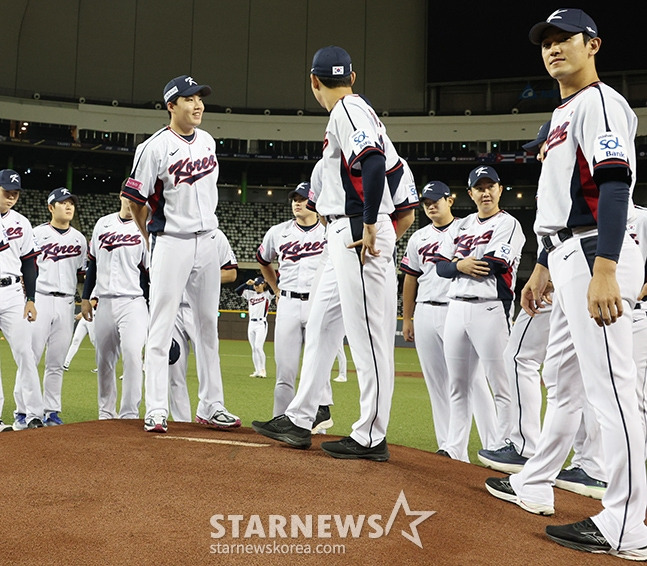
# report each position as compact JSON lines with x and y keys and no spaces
{"x":537,"y":31}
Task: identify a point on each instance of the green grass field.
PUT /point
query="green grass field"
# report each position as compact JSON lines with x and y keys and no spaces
{"x":252,"y":398}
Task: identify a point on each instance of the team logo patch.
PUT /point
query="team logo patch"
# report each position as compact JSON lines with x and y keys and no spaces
{"x":610,"y":146}
{"x":504,"y":252}
{"x":133,"y":183}
{"x":413,"y":193}
{"x":338,"y":70}
{"x":360,"y":140}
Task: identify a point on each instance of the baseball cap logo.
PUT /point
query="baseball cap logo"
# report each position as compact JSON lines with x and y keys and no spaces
{"x":480,"y":171}
{"x":190,"y":81}
{"x":14,"y":178}
{"x":556,"y":15}
{"x":65,"y":191}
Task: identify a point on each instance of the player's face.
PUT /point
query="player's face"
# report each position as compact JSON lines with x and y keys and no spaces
{"x":299,"y":206}
{"x":186,"y":113}
{"x":486,"y":194}
{"x":438,"y":211}
{"x":259,"y":288}
{"x":62,"y":211}
{"x":8,"y":199}
{"x":565,"y":54}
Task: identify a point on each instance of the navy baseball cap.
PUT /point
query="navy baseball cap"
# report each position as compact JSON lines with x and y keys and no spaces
{"x":259,"y":281}
{"x":303,"y":189}
{"x":61,"y":194}
{"x":567,"y":19}
{"x":184,"y":85}
{"x":10,"y":180}
{"x":542,"y":135}
{"x":331,"y":62}
{"x":482,"y":172}
{"x":435,"y":190}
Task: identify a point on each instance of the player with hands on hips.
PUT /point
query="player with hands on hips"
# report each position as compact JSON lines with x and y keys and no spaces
{"x":482,"y":262}
{"x":583,"y":208}
{"x":174,"y":195}
{"x":255,"y":292}
{"x":61,"y":263}
{"x":18,"y":252}
{"x":297,"y":246}
{"x":117,"y":275}
{"x":426,"y":293}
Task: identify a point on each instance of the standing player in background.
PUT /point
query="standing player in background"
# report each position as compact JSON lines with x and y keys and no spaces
{"x":359,"y":274}
{"x":184,"y":332}
{"x":17,"y":309}
{"x":83,"y":328}
{"x":174,"y":177}
{"x":584,"y":200}
{"x":62,"y":260}
{"x":258,"y":298}
{"x":297,"y":245}
{"x":117,"y":275}
{"x":425,"y":292}
{"x":482,"y":262}
{"x":342,"y":365}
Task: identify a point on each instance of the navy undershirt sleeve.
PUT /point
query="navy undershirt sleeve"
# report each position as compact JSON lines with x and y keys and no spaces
{"x":612,"y":218}
{"x":29,"y":269}
{"x":447,"y":269}
{"x":90,"y":279}
{"x":373,"y":175}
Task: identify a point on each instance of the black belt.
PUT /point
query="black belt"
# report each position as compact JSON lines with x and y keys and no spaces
{"x":467,"y":298}
{"x":57,"y":294}
{"x":293,"y":295}
{"x":563,"y":235}
{"x":435,"y":303}
{"x":257,"y":319}
{"x":6,"y":281}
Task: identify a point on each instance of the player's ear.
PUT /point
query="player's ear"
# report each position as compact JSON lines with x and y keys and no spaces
{"x":353,"y":76}
{"x":314,"y":82}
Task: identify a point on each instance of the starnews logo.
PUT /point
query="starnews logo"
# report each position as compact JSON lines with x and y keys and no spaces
{"x":254,"y":529}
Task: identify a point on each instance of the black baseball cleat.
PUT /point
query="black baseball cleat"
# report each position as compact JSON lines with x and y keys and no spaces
{"x":323,"y":420}
{"x":444,"y":453}
{"x":283,"y":429}
{"x":35,"y":423}
{"x":349,"y":449}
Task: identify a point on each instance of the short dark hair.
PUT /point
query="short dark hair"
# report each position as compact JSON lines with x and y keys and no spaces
{"x":336,"y":82}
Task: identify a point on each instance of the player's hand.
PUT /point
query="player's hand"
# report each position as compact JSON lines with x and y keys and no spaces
{"x":473,"y":267}
{"x":407,"y":330}
{"x":368,"y":241}
{"x":534,"y":292}
{"x":603,"y":296}
{"x":86,"y":310}
{"x":30,"y":311}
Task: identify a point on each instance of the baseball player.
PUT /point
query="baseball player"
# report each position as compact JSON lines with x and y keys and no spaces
{"x":18,"y":252}
{"x":174,"y":194}
{"x":482,"y":261}
{"x":342,"y":365}
{"x":83,"y":328}
{"x":255,"y":292}
{"x":61,"y":262}
{"x":584,"y":201}
{"x":358,"y":282}
{"x":184,"y":333}
{"x":427,"y":293}
{"x":297,"y":246}
{"x":117,"y":275}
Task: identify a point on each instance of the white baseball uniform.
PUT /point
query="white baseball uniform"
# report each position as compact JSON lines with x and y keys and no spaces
{"x":119,"y":251}
{"x":258,"y":305}
{"x":63,"y":256}
{"x":592,"y":134}
{"x":17,"y":245}
{"x":177,"y":177}
{"x":429,"y":320}
{"x":478,"y":320}
{"x":184,"y":334}
{"x":83,"y":328}
{"x":298,"y":252}
{"x":364,"y":296}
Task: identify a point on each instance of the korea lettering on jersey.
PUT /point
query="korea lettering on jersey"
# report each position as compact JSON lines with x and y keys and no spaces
{"x":298,"y":252}
{"x":499,"y":238}
{"x":120,"y":252}
{"x":16,"y":244}
{"x":591,"y":131}
{"x":420,"y":261}
{"x":178,"y":180}
{"x":62,"y":257}
{"x":353,"y":131}
{"x":257,"y":303}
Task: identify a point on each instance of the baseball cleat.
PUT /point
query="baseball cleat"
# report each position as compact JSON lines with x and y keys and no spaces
{"x":323,"y":420}
{"x":253,"y":374}
{"x":586,"y":536}
{"x":20,"y":421}
{"x":5,"y":427}
{"x":341,"y":379}
{"x":506,"y":459}
{"x":578,"y":481}
{"x":155,"y":423}
{"x":349,"y":449}
{"x":444,"y":453}
{"x":501,"y":489}
{"x":281,"y":428}
{"x":52,"y":419}
{"x":35,"y":423}
{"x":220,"y":420}
{"x":66,"y":367}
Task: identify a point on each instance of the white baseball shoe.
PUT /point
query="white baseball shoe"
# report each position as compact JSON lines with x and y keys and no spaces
{"x":341,"y":378}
